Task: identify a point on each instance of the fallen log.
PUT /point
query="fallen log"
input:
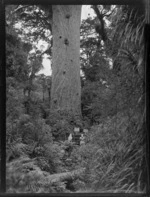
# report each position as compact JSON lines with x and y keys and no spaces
{"x":23,"y":175}
{"x":65,"y":176}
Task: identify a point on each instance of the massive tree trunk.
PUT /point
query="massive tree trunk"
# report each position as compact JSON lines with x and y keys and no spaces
{"x":66,"y":84}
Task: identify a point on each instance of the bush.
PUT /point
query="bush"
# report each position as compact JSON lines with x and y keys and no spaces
{"x":24,"y":176}
{"x":114,"y":155}
{"x":62,"y":124}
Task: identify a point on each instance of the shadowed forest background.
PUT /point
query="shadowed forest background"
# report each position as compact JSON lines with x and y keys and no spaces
{"x":40,"y":157}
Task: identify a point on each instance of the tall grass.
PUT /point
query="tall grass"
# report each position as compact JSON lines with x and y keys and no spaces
{"x":116,"y":155}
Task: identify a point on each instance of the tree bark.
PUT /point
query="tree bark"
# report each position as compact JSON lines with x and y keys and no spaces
{"x":66,"y":84}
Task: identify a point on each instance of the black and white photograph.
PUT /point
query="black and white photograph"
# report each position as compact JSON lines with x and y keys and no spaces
{"x":76,"y":98}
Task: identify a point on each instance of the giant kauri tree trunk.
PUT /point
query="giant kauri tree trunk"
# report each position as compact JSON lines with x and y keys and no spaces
{"x":66,"y":85}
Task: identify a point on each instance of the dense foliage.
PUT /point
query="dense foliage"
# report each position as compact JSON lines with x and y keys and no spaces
{"x":113,"y":108}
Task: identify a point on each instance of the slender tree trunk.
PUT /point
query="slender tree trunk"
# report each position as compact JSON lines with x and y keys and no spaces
{"x":43,"y":95}
{"x":49,"y":94}
{"x":66,"y":84}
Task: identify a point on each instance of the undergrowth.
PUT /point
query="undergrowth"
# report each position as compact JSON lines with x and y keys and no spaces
{"x":114,"y":156}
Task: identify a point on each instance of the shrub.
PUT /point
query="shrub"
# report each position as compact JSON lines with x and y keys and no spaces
{"x":62,"y":124}
{"x":114,"y":155}
{"x":24,"y":176}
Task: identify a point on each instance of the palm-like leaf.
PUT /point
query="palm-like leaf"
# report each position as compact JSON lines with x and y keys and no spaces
{"x":129,"y":40}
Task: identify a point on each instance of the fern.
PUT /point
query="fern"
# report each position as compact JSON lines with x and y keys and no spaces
{"x":24,"y":176}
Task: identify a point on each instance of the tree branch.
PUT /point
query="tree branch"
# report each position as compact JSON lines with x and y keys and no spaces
{"x":101,"y":30}
{"x":19,"y":8}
